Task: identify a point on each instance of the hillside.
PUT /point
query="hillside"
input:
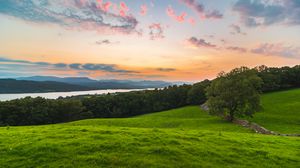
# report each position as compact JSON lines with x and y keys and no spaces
{"x":183,"y":118}
{"x":101,"y":84}
{"x":40,"y":84}
{"x":185,"y":137}
{"x":22,"y":86}
{"x":281,"y":111}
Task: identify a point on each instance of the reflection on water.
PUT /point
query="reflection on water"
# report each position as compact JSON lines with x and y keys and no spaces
{"x":55,"y":95}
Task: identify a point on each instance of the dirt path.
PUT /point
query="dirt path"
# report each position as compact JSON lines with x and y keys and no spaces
{"x":253,"y":126}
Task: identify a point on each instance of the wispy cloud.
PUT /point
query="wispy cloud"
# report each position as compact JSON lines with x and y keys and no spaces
{"x":19,"y":68}
{"x":60,"y":65}
{"x":277,"y":50}
{"x":106,"y":42}
{"x":166,"y":69}
{"x":7,"y":60}
{"x":200,"y":43}
{"x":255,"y":13}
{"x":75,"y":14}
{"x":110,"y":68}
{"x":236,"y":29}
{"x":156,"y":31}
{"x":238,"y":49}
{"x":223,"y":41}
{"x":103,"y":67}
{"x":200,"y":9}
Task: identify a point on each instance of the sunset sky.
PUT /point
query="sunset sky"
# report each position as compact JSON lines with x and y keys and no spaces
{"x":173,"y":40}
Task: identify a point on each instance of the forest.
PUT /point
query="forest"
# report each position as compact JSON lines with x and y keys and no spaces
{"x":38,"y":111}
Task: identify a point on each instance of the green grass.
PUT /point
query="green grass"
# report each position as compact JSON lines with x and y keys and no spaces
{"x":90,"y":146}
{"x":183,"y":118}
{"x":185,"y":137}
{"x":281,"y":111}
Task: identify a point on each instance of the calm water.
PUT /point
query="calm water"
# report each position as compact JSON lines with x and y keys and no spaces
{"x":55,"y":95}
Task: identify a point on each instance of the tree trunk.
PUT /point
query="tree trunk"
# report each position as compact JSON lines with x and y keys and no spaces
{"x":231,"y":116}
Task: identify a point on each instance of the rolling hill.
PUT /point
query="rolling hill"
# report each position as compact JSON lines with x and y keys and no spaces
{"x":101,"y":84}
{"x":281,"y":112}
{"x":40,"y":84}
{"x":185,"y":137}
{"x":22,"y":86}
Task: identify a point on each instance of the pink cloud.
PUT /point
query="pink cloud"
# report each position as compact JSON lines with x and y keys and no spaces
{"x":103,"y":6}
{"x":83,"y":2}
{"x":106,"y":6}
{"x":171,"y":13}
{"x":144,"y":10}
{"x":192,"y":21}
{"x":99,"y":2}
{"x":123,"y":9}
{"x":181,"y":18}
{"x":124,"y":6}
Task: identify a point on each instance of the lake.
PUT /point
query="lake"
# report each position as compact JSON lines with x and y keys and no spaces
{"x":55,"y":95}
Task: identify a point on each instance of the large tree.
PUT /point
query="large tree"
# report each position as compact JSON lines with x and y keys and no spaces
{"x":235,"y":94}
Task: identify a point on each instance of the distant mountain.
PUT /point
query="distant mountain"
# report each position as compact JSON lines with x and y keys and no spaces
{"x":101,"y":84}
{"x":58,"y":79}
{"x":25,"y":86}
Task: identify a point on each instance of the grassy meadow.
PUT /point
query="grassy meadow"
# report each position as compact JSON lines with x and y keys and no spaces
{"x":184,"y":137}
{"x":186,"y":118}
{"x":281,"y":112}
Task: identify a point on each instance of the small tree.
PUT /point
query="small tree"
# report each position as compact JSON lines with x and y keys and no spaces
{"x":235,"y":94}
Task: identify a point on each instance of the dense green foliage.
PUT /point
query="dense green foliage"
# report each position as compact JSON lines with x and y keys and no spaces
{"x":280,"y":112}
{"x":22,"y":111}
{"x":121,"y":143}
{"x":235,"y":94}
{"x":19,"y":86}
{"x":32,"y":111}
{"x":196,"y":94}
{"x":136,"y":103}
{"x":275,"y":79}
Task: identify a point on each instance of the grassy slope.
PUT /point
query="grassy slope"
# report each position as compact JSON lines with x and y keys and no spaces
{"x":184,"y":118}
{"x":281,"y":111}
{"x":185,"y":137}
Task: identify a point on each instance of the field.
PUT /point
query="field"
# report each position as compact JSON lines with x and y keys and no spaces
{"x":184,"y":119}
{"x":185,"y":137}
{"x":281,"y":112}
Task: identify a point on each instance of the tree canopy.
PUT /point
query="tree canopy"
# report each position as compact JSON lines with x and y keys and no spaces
{"x":235,"y":94}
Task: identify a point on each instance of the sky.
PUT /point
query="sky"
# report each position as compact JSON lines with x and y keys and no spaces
{"x":171,"y":40}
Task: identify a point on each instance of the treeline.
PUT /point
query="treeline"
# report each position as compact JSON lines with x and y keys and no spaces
{"x":275,"y":79}
{"x":36,"y":111}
